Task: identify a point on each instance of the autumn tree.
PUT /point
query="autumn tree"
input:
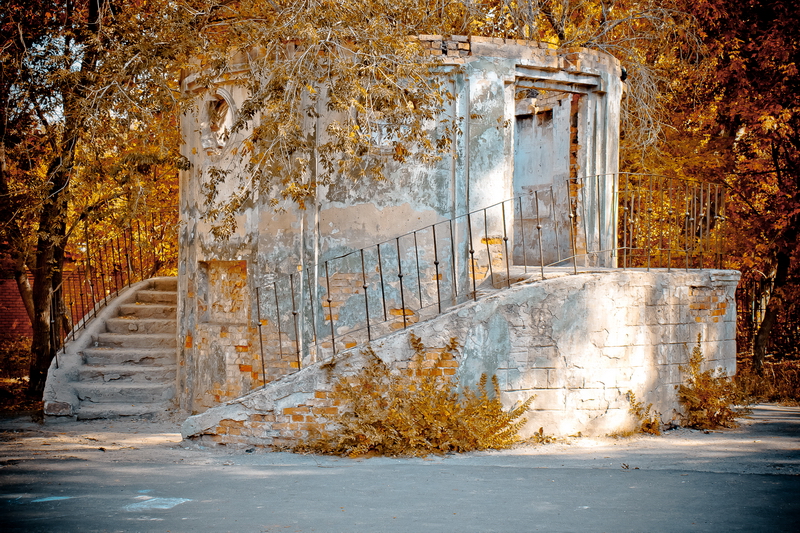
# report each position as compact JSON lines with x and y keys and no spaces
{"x":355,"y":58}
{"x":756,"y":50}
{"x":735,"y":122}
{"x":90,"y":93}
{"x":80,"y":80}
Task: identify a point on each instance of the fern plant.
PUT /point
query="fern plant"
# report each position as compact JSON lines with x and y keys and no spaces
{"x":416,"y":412}
{"x":708,"y":397}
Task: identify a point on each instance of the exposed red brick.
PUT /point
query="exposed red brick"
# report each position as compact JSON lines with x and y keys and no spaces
{"x":300,"y":410}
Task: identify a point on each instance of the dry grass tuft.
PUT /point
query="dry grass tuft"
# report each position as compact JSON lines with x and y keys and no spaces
{"x":416,"y":412}
{"x":648,"y":422}
{"x":708,"y":397}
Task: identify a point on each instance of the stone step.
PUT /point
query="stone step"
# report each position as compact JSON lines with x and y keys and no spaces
{"x":104,"y":355}
{"x":131,"y":371}
{"x":143,"y":310}
{"x":166,"y":284}
{"x":157,"y":297}
{"x":141,"y":325}
{"x":138,"y":340}
{"x":90,"y":411}
{"x":96,"y":392}
{"x":128,"y":373}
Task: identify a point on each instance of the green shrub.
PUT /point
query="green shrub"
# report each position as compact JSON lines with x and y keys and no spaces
{"x":708,"y":397}
{"x":416,"y":412}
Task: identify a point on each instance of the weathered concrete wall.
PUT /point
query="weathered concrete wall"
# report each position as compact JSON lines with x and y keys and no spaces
{"x":500,"y":87}
{"x":579,"y":343}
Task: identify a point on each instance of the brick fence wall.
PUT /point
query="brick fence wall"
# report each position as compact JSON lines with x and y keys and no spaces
{"x":13,"y":317}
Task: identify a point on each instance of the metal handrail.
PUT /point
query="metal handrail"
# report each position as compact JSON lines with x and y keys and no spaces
{"x":362,"y":295}
{"x":97,"y":271}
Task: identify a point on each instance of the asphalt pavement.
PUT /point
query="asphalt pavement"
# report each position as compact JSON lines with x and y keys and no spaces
{"x":139,"y":476}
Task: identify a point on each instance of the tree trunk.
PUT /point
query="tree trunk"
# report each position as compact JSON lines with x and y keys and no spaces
{"x":24,"y":286}
{"x":774,"y":306}
{"x":52,"y":236}
{"x":52,"y":221}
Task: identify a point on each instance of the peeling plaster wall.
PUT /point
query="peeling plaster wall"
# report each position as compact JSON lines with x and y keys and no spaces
{"x":487,"y":76}
{"x":579,"y":343}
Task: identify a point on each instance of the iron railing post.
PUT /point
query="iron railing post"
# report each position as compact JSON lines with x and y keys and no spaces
{"x":522,"y":237}
{"x":472,"y":257}
{"x":488,"y":248}
{"x":366,"y":296}
{"x":296,"y":327}
{"x":278,"y":319}
{"x":436,"y":269}
{"x":505,"y":243}
{"x":330,"y":309}
{"x":260,"y":337}
{"x":539,"y":233}
{"x":383,"y":287}
{"x":400,"y":278}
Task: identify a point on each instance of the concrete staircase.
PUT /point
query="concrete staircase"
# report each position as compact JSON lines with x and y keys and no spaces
{"x":130,"y":368}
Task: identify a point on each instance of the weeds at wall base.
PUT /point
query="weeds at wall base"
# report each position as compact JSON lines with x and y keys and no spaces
{"x":646,"y":422}
{"x":414,"y":412}
{"x":708,"y":397}
{"x":539,"y":437}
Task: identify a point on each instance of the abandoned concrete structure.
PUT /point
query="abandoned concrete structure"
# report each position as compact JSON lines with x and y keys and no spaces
{"x":292,"y":289}
{"x":511,"y":245}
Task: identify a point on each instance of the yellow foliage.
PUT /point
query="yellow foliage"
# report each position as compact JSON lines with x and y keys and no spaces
{"x":405,"y":413}
{"x":779,"y":383}
{"x":648,"y":422}
{"x":709,"y":396}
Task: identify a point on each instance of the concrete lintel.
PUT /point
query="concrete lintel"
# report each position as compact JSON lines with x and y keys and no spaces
{"x":546,"y":85}
{"x":538,"y":74}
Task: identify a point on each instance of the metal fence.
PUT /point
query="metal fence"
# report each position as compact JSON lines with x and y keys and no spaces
{"x":98,"y":267}
{"x":752,"y":297}
{"x":668,"y":222}
{"x":610,"y":221}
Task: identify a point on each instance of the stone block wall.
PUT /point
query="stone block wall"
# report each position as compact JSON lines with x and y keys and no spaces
{"x":579,"y":343}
